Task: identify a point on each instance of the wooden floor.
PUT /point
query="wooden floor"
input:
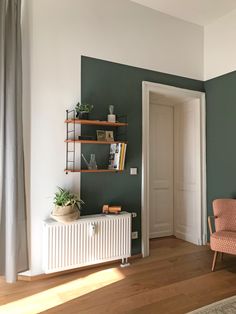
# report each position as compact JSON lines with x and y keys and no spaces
{"x":176,"y":278}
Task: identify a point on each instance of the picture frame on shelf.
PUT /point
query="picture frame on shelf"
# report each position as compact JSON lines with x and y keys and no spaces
{"x":106,"y":136}
{"x":101,"y":135}
{"x":109,"y":136}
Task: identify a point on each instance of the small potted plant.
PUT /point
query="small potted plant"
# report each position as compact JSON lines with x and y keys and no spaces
{"x":83,"y":110}
{"x":67,"y":206}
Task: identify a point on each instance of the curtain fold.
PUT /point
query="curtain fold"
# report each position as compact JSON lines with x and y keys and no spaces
{"x":13,"y":234}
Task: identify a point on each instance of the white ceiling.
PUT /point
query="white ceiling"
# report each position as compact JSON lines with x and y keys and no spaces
{"x":201,"y":12}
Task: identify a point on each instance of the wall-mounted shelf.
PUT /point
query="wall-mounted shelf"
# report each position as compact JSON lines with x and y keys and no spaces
{"x":95,"y":122}
{"x":93,"y":170}
{"x":94,"y":142}
{"x":72,"y":139}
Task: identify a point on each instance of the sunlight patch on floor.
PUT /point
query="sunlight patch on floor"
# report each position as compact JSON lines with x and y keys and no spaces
{"x":50,"y":298}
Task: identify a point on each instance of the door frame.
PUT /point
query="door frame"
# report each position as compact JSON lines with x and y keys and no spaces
{"x":148,"y":87}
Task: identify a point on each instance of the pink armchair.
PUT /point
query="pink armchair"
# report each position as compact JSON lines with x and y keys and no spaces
{"x":224,"y":238}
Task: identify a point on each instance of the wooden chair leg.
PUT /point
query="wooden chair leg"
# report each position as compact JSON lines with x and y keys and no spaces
{"x":214,"y":261}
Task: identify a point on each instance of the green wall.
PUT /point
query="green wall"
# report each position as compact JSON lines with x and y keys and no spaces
{"x":221,"y":130}
{"x":104,"y":83}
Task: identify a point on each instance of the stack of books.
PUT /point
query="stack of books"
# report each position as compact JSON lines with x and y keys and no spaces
{"x":117,"y":156}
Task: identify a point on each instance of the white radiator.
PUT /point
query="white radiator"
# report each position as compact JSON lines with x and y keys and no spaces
{"x":89,"y":240}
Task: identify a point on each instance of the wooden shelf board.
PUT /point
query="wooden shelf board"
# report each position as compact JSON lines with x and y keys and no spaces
{"x":94,"y":142}
{"x":96,"y":122}
{"x":95,"y":170}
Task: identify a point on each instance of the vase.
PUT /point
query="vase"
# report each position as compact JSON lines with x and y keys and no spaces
{"x":92,"y":163}
{"x":111,"y":116}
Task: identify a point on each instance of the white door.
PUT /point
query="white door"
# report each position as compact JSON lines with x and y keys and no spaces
{"x":161,"y":171}
{"x":187,"y":173}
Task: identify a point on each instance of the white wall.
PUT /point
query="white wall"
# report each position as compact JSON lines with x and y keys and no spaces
{"x":220,"y":46}
{"x":55,"y":35}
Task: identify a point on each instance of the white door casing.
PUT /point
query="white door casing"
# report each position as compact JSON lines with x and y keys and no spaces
{"x":200,"y":223}
{"x":161,"y":174}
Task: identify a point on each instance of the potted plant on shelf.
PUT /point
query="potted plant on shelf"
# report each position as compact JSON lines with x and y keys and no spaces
{"x":67,"y":206}
{"x":83,"y":110}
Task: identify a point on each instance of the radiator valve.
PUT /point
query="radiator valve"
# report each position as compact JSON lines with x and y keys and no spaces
{"x":92,"y":229}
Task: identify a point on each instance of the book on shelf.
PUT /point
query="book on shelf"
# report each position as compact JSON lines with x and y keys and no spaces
{"x":123,"y":153}
{"x":117,"y":156}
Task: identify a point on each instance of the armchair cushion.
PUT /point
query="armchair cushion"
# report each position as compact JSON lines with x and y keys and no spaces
{"x":224,"y":241}
{"x":225,"y":210}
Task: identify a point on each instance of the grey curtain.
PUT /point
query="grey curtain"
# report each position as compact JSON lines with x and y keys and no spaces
{"x":13,"y":235}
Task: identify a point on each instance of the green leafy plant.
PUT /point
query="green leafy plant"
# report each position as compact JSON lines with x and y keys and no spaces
{"x":83,"y":108}
{"x":65,"y":198}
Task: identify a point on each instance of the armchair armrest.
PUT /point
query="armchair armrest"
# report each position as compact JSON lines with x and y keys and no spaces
{"x":209,"y":222}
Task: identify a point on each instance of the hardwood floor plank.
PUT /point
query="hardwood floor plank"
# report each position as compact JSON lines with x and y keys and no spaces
{"x":176,"y":278}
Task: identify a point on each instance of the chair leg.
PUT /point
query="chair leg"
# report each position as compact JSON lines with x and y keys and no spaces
{"x":214,"y":261}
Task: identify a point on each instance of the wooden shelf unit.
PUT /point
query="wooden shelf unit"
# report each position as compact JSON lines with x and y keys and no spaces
{"x":96,"y":122}
{"x":94,"y":142}
{"x":73,"y":141}
{"x":93,"y":170}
